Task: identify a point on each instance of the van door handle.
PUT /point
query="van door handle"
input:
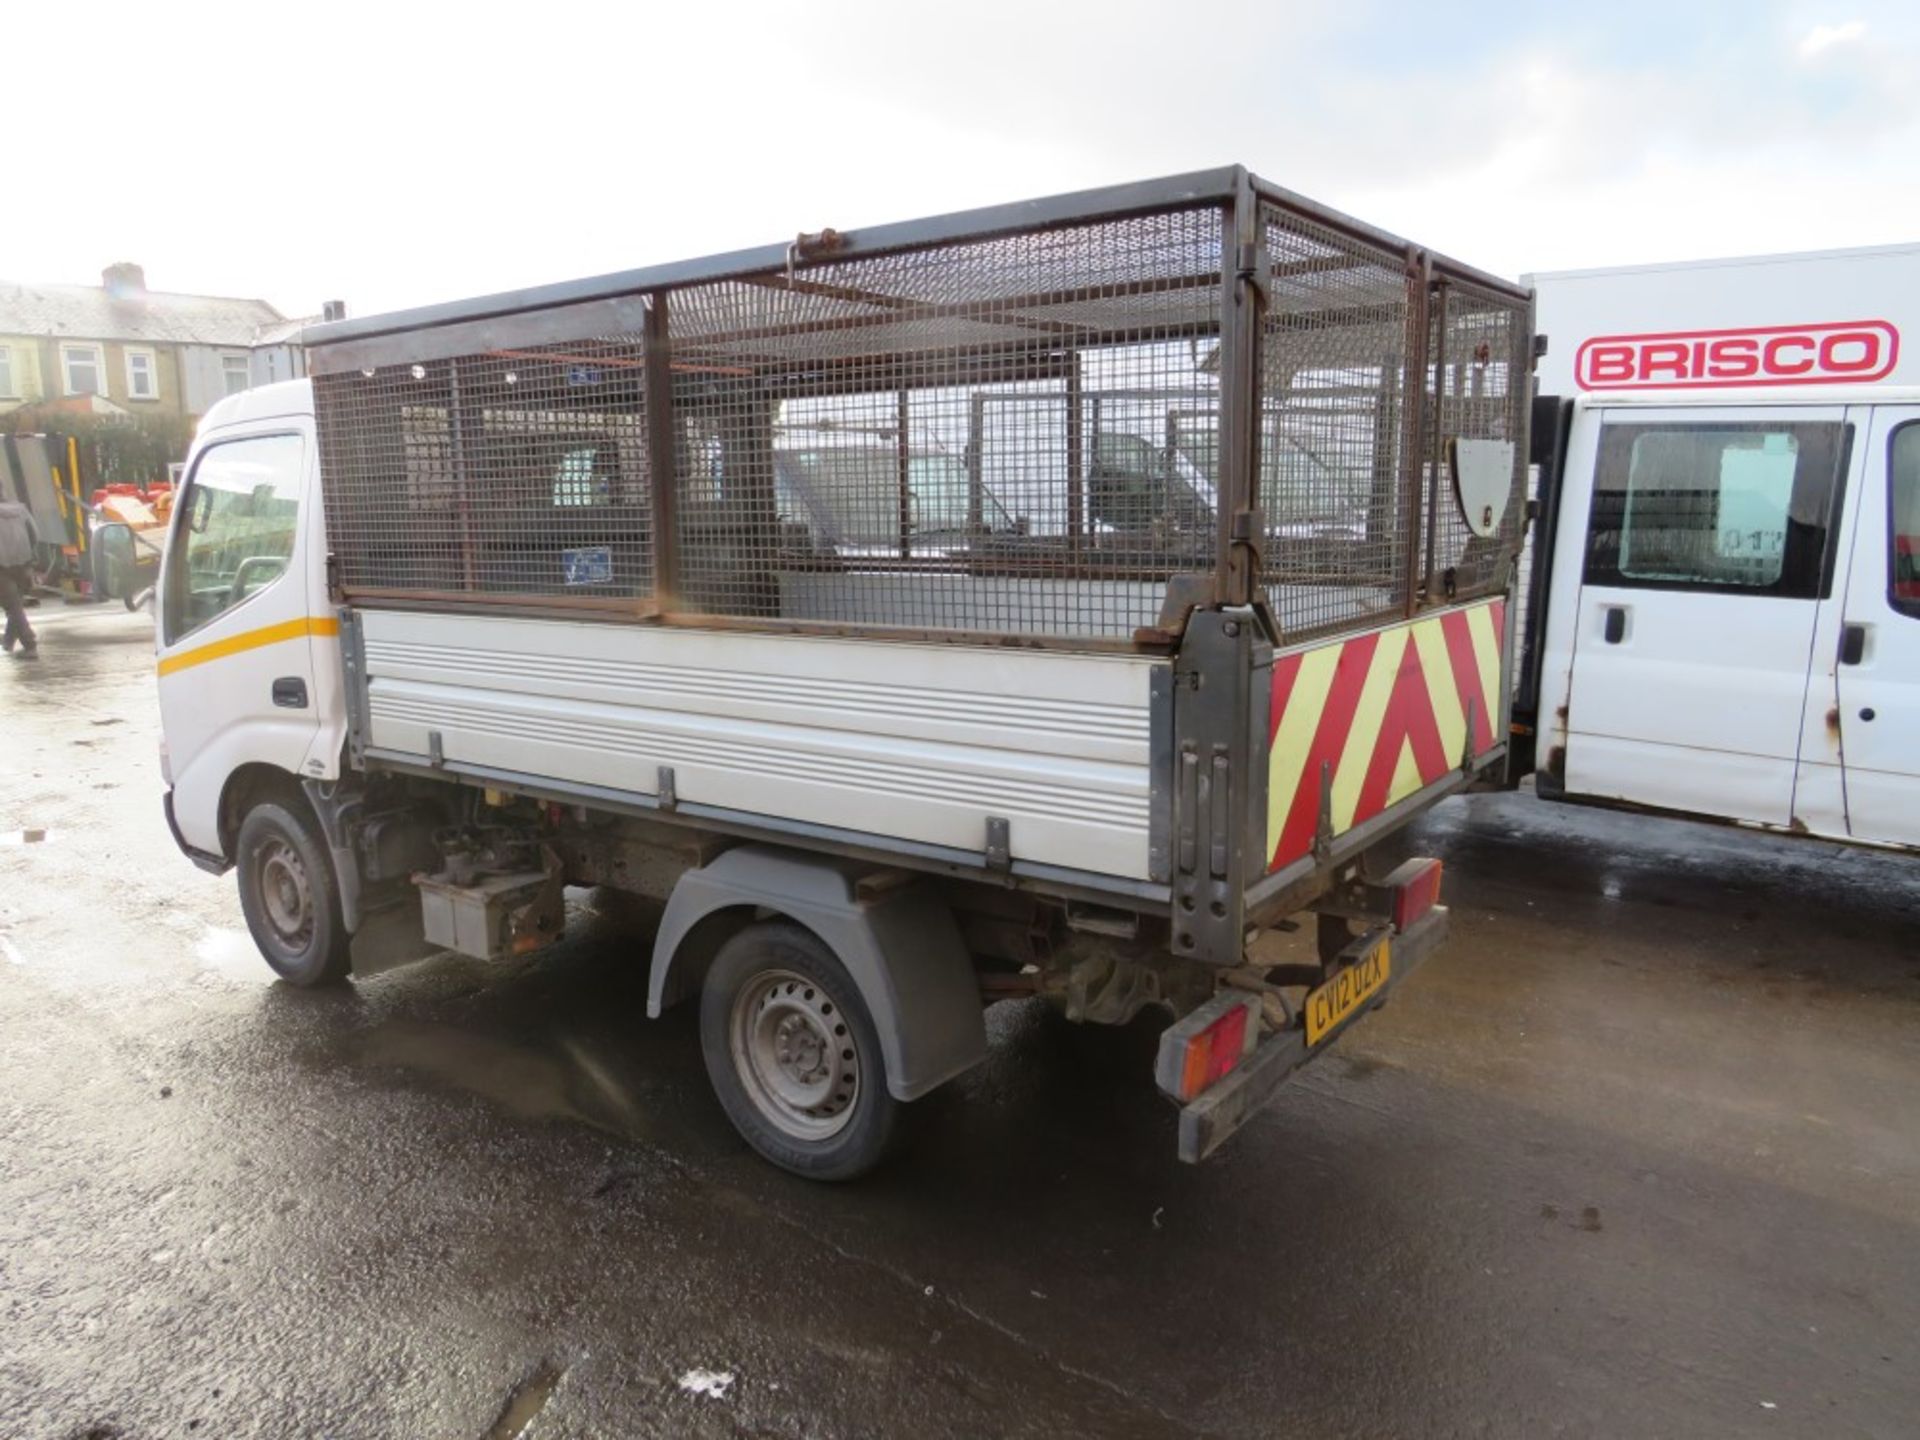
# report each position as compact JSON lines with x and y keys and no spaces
{"x":290,"y":692}
{"x":1616,"y":624}
{"x":1853,"y":644}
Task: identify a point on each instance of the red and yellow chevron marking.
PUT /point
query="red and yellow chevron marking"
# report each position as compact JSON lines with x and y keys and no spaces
{"x":1387,"y":710}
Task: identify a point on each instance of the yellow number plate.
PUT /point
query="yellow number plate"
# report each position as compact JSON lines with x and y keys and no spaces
{"x":1347,"y":992}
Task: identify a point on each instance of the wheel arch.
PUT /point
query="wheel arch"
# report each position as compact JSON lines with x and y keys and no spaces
{"x":902,"y":947}
{"x":256,"y":783}
{"x":248,"y":786}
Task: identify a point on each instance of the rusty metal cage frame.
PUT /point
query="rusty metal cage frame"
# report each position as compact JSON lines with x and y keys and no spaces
{"x":624,"y":325}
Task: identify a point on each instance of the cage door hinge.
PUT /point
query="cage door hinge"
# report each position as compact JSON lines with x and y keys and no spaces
{"x":1247,"y":531}
{"x":1250,"y":268}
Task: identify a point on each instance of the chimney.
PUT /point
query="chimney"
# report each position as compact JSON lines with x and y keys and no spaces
{"x":331,"y":310}
{"x":124,"y":280}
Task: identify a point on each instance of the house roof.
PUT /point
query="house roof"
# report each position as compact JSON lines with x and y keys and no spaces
{"x":88,"y":312}
{"x":284,"y":332}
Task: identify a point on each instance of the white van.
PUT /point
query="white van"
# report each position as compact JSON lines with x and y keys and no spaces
{"x":1729,"y":624}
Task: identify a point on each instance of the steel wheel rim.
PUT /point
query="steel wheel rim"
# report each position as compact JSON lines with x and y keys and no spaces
{"x":795,"y":1055}
{"x":285,"y":894}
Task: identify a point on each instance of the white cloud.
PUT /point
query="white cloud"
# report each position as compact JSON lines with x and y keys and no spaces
{"x":378,"y":155}
{"x":1823,"y":38}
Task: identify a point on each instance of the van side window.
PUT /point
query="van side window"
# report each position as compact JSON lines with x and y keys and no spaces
{"x":235,"y":535}
{"x":1903,"y":516}
{"x":1732,"y":508}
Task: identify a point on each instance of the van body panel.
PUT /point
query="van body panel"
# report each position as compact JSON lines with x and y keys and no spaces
{"x":1717,"y":698}
{"x":1877,"y":695}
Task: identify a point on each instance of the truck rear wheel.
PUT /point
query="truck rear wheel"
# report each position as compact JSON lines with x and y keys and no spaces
{"x":793,"y":1054}
{"x":290,"y":897}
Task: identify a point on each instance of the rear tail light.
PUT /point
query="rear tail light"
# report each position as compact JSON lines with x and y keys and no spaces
{"x":1201,"y":1050}
{"x":1416,"y":890}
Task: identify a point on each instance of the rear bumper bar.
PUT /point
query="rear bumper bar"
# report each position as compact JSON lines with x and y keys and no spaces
{"x":1207,"y":1123}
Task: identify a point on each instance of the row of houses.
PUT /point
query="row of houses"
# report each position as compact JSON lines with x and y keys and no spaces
{"x":120,"y":348}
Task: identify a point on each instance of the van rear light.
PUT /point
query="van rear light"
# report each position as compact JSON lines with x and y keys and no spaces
{"x":1203,"y":1049}
{"x":1415,"y":887}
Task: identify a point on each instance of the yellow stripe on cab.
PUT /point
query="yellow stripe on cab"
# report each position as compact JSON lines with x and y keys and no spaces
{"x":249,"y":640}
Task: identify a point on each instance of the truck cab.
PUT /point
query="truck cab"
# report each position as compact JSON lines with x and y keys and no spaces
{"x":243,"y":584}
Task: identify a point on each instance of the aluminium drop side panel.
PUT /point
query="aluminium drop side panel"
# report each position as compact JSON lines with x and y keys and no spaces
{"x":912,"y":742}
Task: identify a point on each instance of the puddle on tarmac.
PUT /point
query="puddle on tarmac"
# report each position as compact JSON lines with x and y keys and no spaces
{"x":25,"y":837}
{"x":566,"y":1082}
{"x":233,"y":954}
{"x":527,"y":1400}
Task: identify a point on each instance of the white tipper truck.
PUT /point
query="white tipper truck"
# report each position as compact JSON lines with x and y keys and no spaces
{"x":1723,"y":619}
{"x":1044,"y":600}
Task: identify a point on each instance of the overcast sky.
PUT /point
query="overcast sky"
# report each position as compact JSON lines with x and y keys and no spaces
{"x":397,"y":154}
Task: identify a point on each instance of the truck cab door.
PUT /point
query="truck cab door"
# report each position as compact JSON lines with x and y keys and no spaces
{"x":236,"y":670}
{"x":1710,"y":542}
{"x":1878,"y":676}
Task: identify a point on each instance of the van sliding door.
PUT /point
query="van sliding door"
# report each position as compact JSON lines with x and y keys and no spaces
{"x":1710,"y":543}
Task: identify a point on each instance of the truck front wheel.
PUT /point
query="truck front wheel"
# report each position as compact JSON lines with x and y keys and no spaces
{"x":793,"y":1054}
{"x":290,"y":897}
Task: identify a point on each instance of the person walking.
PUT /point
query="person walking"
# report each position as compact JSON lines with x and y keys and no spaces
{"x":18,"y":535}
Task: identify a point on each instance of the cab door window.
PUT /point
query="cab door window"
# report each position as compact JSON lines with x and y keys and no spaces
{"x":1741,"y":508}
{"x":1903,"y":527}
{"x":235,"y":535}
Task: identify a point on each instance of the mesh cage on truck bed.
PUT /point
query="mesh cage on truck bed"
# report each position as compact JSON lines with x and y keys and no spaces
{"x":1184,"y":467}
{"x":1018,"y":424}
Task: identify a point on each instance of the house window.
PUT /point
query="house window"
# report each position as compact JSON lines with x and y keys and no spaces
{"x":6,"y":373}
{"x":86,"y":372}
{"x":235,"y":370}
{"x":143,"y":380}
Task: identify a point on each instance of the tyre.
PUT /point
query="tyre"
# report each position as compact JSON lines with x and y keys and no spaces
{"x":290,"y":897}
{"x":793,"y":1054}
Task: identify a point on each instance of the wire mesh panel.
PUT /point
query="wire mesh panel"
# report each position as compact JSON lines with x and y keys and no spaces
{"x":1333,"y":361}
{"x":1011,"y":425}
{"x":926,"y":438}
{"x":1479,"y":390}
{"x":511,"y":473}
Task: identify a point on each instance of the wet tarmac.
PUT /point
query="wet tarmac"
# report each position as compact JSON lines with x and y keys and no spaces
{"x":1637,"y":1155}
